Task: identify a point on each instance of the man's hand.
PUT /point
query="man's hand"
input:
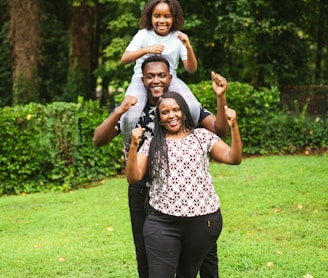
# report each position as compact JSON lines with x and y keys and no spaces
{"x":219,"y":83}
{"x":106,"y":131}
{"x":127,"y":102}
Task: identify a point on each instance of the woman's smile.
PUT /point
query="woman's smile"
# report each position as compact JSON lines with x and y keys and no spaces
{"x":171,"y":117}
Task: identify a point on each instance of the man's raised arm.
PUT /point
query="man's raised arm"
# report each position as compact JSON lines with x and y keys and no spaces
{"x":106,"y":131}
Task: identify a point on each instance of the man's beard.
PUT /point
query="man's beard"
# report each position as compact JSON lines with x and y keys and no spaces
{"x":153,"y":99}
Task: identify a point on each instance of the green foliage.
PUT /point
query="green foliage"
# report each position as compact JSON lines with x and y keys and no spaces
{"x":264,"y":127}
{"x":288,"y":132}
{"x":246,"y":41}
{"x":21,"y":154}
{"x":122,"y":23}
{"x":263,"y":43}
{"x":99,"y":162}
{"x":253,"y":107}
{"x":62,"y":141}
{"x":256,"y":35}
{"x":54,"y":50}
{"x":50,"y":147}
{"x":76,"y":83}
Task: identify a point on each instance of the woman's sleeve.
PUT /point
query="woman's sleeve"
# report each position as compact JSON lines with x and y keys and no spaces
{"x":144,"y":149}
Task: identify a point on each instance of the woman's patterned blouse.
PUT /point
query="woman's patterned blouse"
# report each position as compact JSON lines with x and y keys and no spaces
{"x":188,"y":190}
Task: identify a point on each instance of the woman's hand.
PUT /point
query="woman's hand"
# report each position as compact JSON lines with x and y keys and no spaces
{"x":230,"y":116}
{"x":136,"y":135}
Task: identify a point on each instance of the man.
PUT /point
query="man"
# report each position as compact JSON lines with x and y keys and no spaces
{"x":156,"y":78}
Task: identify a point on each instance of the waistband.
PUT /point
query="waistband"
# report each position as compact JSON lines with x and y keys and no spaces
{"x":151,"y":211}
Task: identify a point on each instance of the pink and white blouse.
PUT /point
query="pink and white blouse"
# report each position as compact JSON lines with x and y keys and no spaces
{"x":189,"y":189}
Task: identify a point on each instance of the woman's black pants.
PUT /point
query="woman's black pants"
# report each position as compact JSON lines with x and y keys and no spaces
{"x":178,"y":245}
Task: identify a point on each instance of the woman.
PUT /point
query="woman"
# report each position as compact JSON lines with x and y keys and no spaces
{"x":184,"y":218}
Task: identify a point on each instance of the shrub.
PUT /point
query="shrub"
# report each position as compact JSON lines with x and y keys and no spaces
{"x":254,"y":108}
{"x":22,"y":151}
{"x":50,"y":147}
{"x":292,"y":132}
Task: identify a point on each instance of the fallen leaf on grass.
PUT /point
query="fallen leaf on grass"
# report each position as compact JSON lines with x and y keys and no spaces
{"x":270,"y":264}
{"x":110,"y":229}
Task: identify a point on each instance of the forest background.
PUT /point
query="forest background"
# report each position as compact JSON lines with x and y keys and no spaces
{"x":59,"y":50}
{"x":60,"y":76}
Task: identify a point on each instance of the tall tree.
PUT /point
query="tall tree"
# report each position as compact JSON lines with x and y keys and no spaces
{"x":25,"y":48}
{"x":321,"y":37}
{"x":83,"y":15}
{"x":55,"y":48}
{"x":262,"y":42}
{"x":5,"y":62}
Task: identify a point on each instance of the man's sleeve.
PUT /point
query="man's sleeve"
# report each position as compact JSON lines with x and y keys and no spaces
{"x":203,"y":114}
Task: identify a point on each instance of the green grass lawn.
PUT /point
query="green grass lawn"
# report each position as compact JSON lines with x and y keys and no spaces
{"x":275,"y":213}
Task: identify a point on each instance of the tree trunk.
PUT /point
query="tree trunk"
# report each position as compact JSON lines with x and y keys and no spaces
{"x":322,"y":7}
{"x":24,"y":37}
{"x":96,"y":45}
{"x":82,"y":37}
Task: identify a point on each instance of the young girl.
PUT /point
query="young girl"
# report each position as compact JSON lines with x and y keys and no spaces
{"x":184,"y":219}
{"x":161,"y":22}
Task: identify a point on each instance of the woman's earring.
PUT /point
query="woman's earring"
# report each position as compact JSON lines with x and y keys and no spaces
{"x":160,"y":123}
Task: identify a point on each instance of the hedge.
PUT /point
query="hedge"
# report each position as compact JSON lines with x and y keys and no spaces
{"x":266,"y":127}
{"x":50,"y":147}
